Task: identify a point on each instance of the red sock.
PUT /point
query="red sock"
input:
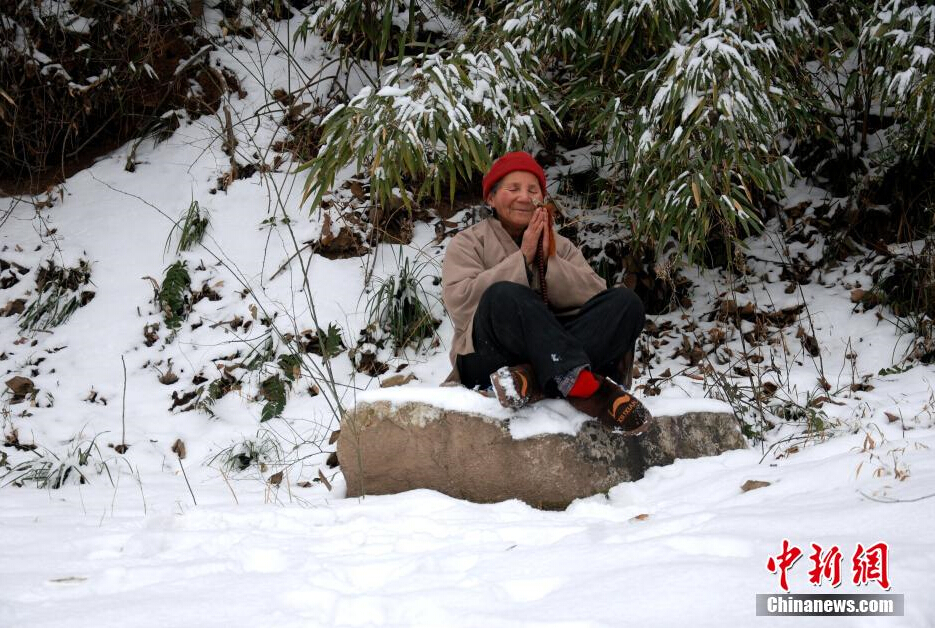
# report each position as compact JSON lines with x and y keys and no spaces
{"x":585,"y":386}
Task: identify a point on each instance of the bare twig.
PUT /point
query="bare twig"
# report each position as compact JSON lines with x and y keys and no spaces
{"x":139,"y":198}
{"x":285,"y":264}
{"x":896,"y":501}
{"x":123,"y":409}
{"x":187,"y":483}
{"x":226,"y":481}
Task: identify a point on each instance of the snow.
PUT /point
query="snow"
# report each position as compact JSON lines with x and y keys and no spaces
{"x":682,"y":545}
{"x":921,"y":55}
{"x":692,"y":101}
{"x":901,"y":81}
{"x":424,"y":559}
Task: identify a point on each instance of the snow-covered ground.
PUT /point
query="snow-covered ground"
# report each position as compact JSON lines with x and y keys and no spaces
{"x":683,"y":546}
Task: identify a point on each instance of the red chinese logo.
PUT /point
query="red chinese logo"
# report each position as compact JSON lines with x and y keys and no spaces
{"x":868,"y":565}
{"x":783,"y":562}
{"x":825,"y":566}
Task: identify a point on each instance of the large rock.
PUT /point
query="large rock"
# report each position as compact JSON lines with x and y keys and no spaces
{"x":689,"y":435}
{"x":389,"y":449}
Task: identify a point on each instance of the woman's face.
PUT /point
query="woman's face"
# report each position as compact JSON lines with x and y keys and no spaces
{"x":515,"y":199}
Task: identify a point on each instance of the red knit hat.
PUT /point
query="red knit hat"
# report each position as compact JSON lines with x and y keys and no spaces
{"x":512,"y":162}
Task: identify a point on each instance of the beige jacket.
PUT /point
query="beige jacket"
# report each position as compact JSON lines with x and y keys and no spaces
{"x":484,"y":254}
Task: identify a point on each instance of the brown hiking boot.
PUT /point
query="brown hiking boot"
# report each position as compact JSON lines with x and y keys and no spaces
{"x":614,"y":407}
{"x":516,"y":386}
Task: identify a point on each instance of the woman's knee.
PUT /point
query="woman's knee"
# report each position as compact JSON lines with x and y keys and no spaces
{"x":501,"y":299}
{"x":625,"y":300}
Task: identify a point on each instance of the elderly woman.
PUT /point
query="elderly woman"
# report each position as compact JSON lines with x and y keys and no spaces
{"x":531,"y":317}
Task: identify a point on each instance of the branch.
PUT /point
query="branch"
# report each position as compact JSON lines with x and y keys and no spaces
{"x":896,"y":501}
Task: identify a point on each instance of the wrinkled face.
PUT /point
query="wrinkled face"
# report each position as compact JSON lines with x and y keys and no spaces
{"x":514,"y":198}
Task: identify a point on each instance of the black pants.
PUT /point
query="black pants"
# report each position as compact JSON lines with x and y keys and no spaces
{"x":512,"y":325}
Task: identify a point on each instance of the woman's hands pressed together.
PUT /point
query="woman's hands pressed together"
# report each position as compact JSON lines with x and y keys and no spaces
{"x":540,"y":228}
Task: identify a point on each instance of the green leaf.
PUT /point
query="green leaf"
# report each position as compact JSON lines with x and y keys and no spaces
{"x":274,"y":391}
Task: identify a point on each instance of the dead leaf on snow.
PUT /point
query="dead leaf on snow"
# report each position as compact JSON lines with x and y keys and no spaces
{"x":397,"y":380}
{"x":324,"y":480}
{"x":17,"y":306}
{"x":168,"y":378}
{"x":808,"y":342}
{"x":150,"y":334}
{"x":327,"y":236}
{"x":358,"y":190}
{"x":20,"y":386}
